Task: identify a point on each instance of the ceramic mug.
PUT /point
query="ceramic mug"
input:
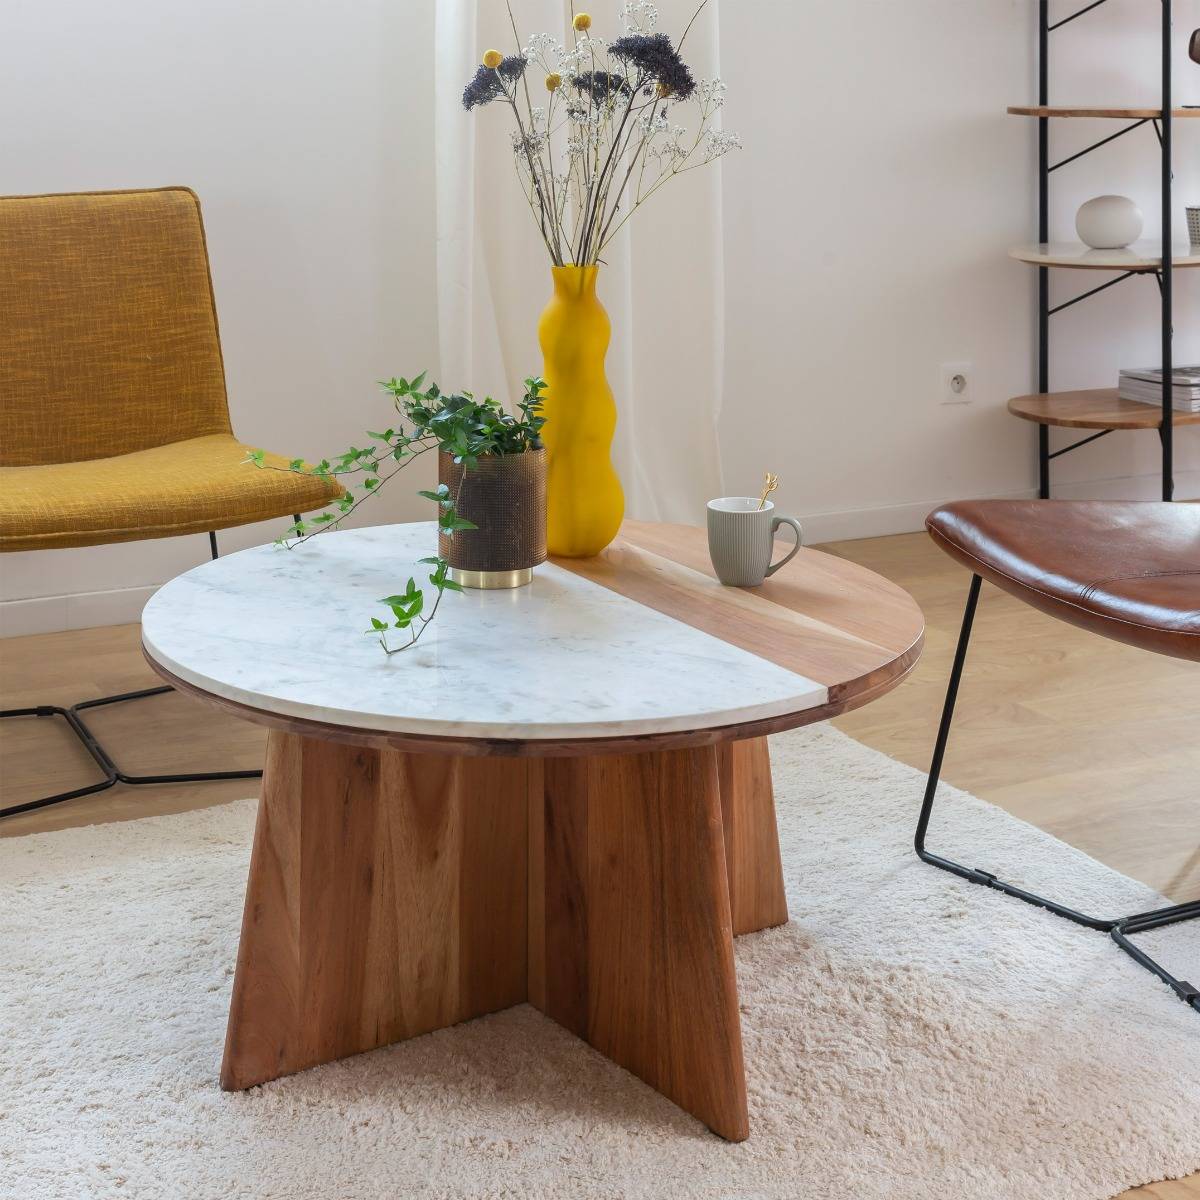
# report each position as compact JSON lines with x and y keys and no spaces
{"x":741,"y":537}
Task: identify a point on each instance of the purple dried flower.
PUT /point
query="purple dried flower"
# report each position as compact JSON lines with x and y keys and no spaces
{"x":601,"y":86}
{"x":487,"y":83}
{"x":653,"y":54}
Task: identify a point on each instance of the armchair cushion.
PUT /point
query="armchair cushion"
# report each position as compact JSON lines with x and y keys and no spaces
{"x":189,"y":486}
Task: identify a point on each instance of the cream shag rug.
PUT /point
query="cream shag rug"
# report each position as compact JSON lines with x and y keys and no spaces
{"x":907,"y":1034}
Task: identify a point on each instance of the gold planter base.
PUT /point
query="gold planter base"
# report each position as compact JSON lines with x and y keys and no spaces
{"x":486,"y":580}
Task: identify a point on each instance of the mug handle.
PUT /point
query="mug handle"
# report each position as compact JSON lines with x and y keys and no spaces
{"x":775,"y":524}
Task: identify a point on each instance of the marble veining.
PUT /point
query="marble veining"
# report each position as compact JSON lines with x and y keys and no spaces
{"x":282,"y":631}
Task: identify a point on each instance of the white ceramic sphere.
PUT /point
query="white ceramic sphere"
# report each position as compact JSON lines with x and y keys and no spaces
{"x":1109,"y":222}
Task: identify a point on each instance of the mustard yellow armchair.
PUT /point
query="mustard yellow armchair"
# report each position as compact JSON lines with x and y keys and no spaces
{"x":114,"y":420}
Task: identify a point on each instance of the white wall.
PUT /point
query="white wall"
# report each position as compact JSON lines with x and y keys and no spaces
{"x":306,"y":129}
{"x":866,"y":227}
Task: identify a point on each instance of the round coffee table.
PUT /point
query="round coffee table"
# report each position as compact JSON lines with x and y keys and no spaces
{"x":561,"y":795}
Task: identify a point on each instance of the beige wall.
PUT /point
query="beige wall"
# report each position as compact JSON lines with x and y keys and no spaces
{"x":307,"y":131}
{"x":866,"y":224}
{"x":866,"y":231}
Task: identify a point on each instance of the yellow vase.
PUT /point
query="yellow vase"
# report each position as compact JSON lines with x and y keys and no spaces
{"x":584,"y":501}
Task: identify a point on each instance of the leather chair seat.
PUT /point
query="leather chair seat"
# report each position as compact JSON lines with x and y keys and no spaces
{"x":1129,"y":571}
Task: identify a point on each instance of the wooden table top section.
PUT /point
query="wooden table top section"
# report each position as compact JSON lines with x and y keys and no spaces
{"x":848,"y":629}
{"x":832,"y":621}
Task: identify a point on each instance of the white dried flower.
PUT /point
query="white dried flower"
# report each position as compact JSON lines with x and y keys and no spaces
{"x":712,"y":92}
{"x":719,"y":142}
{"x":545,"y":49}
{"x":651,"y":124}
{"x":532,"y":143}
{"x":639,"y":17}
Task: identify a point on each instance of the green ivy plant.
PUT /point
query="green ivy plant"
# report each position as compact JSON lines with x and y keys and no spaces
{"x":457,"y":423}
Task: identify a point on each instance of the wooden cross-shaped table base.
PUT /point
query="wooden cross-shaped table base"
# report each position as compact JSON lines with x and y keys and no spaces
{"x":392,"y":894}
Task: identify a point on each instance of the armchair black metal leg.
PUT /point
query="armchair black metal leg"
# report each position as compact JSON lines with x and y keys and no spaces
{"x":1118,"y":928}
{"x":112,"y":773}
{"x":93,"y":747}
{"x":122,"y":777}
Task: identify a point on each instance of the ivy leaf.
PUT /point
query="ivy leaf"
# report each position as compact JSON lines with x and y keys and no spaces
{"x":377,"y":626}
{"x":296,"y":464}
{"x":450,"y":585}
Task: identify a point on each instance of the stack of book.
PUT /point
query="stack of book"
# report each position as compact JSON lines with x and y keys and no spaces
{"x":1145,"y":386}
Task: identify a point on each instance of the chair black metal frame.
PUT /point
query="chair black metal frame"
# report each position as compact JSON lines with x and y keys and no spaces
{"x":1120,"y":928}
{"x":102,"y":758}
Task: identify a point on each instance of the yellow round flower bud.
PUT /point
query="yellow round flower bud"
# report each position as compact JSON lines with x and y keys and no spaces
{"x":492,"y":59}
{"x":553,"y":81}
{"x":582,"y":21}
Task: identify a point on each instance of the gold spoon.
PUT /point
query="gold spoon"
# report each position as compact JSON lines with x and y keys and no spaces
{"x":771,"y":483}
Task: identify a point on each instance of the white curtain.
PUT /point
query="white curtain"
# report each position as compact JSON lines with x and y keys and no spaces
{"x":662,"y":281}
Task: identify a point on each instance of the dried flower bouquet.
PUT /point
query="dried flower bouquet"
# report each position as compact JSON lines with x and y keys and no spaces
{"x":611,"y":130}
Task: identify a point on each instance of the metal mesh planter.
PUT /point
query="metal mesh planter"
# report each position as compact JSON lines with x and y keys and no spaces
{"x":505,"y":496}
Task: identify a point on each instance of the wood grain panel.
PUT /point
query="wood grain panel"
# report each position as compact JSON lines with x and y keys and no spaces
{"x":841,"y":597}
{"x":387,"y":897}
{"x":563,"y":872}
{"x":636,"y":870}
{"x":757,"y":899}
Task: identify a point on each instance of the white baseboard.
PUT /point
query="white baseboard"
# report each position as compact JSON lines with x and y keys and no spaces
{"x":121,"y":606}
{"x":851,"y":524}
{"x":83,"y":610}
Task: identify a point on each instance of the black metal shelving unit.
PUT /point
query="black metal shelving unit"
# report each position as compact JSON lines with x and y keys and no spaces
{"x":1163,"y":122}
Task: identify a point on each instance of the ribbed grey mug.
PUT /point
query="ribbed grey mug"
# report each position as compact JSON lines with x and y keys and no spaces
{"x":741,"y":537}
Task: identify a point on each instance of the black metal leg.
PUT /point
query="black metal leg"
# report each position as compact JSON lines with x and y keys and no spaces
{"x":90,"y":745}
{"x":112,"y":773}
{"x":1044,"y":462}
{"x":1120,"y":928}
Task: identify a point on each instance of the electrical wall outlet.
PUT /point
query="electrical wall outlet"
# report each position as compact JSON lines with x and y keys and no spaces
{"x":956,"y":383}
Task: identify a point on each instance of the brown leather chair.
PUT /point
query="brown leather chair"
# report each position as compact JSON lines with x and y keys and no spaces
{"x":1127,"y":571}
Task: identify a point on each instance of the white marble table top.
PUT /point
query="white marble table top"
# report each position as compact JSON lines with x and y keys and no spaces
{"x":282,"y":632}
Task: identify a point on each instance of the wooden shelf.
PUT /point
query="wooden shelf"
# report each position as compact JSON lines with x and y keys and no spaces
{"x":1141,"y":256}
{"x":1132,"y":114}
{"x":1099,"y":408}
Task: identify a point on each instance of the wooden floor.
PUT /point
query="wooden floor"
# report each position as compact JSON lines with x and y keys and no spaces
{"x":1092,"y":741}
